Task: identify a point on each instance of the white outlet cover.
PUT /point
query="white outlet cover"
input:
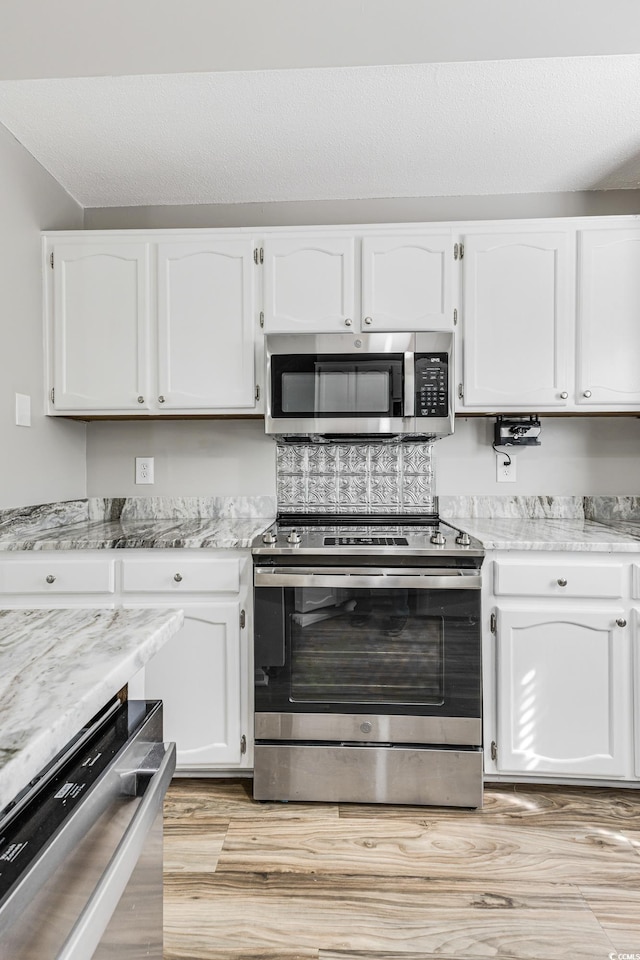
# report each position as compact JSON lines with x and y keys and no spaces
{"x":23,"y":410}
{"x":144,"y":470}
{"x":505,"y":470}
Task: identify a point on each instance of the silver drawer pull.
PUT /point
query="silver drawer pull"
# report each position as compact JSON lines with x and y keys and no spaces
{"x":177,"y":577}
{"x":621,"y":622}
{"x":50,"y":578}
{"x":562,"y":582}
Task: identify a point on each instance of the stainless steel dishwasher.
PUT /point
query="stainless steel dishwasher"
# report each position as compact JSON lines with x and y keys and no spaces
{"x":81,"y":847}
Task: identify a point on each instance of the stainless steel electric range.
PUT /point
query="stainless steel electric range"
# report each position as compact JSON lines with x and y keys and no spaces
{"x":368,"y":661}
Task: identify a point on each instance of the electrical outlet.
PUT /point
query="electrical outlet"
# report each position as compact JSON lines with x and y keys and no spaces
{"x":505,"y":470}
{"x":144,"y":469}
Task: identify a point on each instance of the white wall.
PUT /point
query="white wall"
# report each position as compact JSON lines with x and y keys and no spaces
{"x":75,"y":38}
{"x":391,"y":210}
{"x":197,"y":458}
{"x":579,"y":456}
{"x":46,"y":461}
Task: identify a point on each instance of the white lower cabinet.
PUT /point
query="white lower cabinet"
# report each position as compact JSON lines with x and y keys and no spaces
{"x":563,"y":705}
{"x":198,"y":676}
{"x":559,"y":685}
{"x":203,"y":674}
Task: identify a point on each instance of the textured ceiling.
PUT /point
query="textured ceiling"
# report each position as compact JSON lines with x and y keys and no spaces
{"x":425,"y":130}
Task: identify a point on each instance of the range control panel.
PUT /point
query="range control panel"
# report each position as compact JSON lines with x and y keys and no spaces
{"x":432,"y":384}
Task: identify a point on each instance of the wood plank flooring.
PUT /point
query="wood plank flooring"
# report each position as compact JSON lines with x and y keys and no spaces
{"x":551,"y":873}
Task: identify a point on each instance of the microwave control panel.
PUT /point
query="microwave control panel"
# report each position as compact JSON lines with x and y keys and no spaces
{"x":432,"y":384}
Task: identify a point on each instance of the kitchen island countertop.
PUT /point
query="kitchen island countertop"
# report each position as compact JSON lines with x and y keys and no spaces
{"x":57,"y":669}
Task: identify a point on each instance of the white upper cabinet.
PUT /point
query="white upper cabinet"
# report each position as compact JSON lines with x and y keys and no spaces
{"x":205,"y":325}
{"x":101,"y":298}
{"x":407,"y":282}
{"x":517,"y":320}
{"x":151,"y":327}
{"x":608,"y":332}
{"x":378,"y":282}
{"x":309,"y":284}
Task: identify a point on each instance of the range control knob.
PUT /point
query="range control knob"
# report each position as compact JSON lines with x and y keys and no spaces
{"x":294,"y":536}
{"x":269,"y":536}
{"x":438,"y":538}
{"x":463,"y":539}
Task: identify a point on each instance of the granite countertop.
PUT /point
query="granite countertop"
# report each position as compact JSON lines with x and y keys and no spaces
{"x":216,"y":533}
{"x":57,"y":669}
{"x":499,"y":533}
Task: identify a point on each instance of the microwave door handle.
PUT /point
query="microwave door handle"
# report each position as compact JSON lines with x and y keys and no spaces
{"x":409,"y":385}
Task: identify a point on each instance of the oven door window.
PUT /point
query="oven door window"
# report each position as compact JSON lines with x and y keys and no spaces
{"x":337,"y":386}
{"x":367,"y":646}
{"x":351,"y":650}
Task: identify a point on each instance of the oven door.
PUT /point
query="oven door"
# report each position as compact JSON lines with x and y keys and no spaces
{"x":366,"y":654}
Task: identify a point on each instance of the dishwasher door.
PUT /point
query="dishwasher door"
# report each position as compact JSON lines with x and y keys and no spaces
{"x":81,"y":860}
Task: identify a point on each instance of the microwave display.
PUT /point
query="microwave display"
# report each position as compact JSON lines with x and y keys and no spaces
{"x":337,"y":385}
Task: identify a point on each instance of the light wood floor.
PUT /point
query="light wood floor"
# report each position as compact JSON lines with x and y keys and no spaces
{"x":539,"y":872}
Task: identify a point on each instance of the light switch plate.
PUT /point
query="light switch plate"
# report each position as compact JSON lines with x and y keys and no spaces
{"x":23,"y":410}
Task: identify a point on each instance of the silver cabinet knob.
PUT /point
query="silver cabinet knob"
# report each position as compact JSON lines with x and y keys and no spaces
{"x":140,"y":399}
{"x":348,"y":322}
{"x":368,"y":321}
{"x":564,"y":395}
{"x":50,"y":578}
{"x":160,"y":399}
{"x":562,"y":582}
{"x":621,"y":622}
{"x":587,"y":393}
{"x":177,"y":577}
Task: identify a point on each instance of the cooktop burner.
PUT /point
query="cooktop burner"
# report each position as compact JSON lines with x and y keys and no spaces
{"x":349,"y":535}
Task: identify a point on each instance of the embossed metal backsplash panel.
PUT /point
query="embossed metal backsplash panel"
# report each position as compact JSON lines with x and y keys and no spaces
{"x":355,"y":478}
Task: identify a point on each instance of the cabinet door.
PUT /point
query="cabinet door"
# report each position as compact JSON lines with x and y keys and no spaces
{"x":608,"y":332}
{"x":206,"y":325}
{"x":197,"y":675}
{"x":517,"y":320}
{"x":406,"y":282}
{"x":100,"y":326}
{"x":636,"y":690}
{"x":309,"y":285}
{"x":562,"y":698}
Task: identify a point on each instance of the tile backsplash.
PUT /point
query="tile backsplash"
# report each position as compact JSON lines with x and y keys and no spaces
{"x":355,"y":478}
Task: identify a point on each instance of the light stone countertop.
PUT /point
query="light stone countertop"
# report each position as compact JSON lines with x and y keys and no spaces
{"x":588,"y":536}
{"x":57,"y":669}
{"x":214,"y":533}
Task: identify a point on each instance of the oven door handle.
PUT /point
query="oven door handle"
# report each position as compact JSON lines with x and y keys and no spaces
{"x":449,"y":579}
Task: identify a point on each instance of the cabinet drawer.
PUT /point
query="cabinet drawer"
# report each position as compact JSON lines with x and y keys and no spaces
{"x":54,"y":576}
{"x":181,"y":575}
{"x":558,"y":579}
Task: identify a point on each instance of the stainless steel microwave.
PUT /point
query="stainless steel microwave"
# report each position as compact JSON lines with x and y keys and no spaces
{"x":371,"y":384}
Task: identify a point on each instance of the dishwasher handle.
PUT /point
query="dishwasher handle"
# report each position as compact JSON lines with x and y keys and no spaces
{"x":414,"y":579}
{"x":97,"y":912}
